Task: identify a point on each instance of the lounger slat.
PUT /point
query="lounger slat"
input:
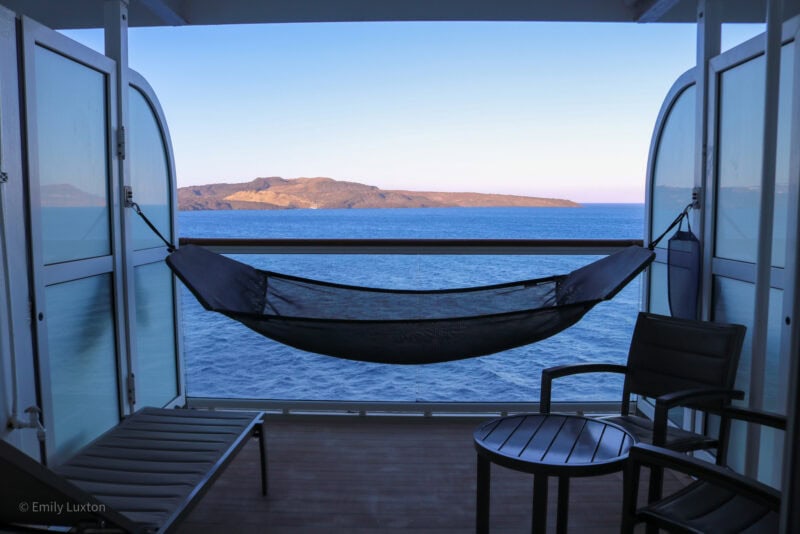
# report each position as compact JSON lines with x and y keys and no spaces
{"x":206,"y":425}
{"x":152,"y":455}
{"x":200,"y":414}
{"x":205,"y":418}
{"x":165,"y":446}
{"x":192,"y":437}
{"x":81,"y":475}
{"x":106,"y":491}
{"x":185,"y":428}
{"x":142,"y":466}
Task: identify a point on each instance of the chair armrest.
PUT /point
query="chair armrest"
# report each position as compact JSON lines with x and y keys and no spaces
{"x":643,"y":454}
{"x":755,"y":416}
{"x":681,"y":398}
{"x":566,"y":370}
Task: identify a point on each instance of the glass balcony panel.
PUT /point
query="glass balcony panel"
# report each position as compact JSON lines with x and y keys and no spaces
{"x":673,"y":175}
{"x":71,"y":151}
{"x":225,"y":359}
{"x":741,"y":127}
{"x":659,"y":297}
{"x":149,"y":173}
{"x":156,"y":378}
{"x":83,"y":361}
{"x":775,"y":382}
{"x":733,"y":303}
{"x":771,"y":457}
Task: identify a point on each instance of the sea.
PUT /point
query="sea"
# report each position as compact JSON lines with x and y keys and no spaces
{"x":226,"y":359}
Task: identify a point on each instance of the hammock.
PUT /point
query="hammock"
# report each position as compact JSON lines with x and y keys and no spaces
{"x":401,"y":326}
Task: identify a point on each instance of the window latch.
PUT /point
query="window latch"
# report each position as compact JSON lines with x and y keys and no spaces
{"x":127,"y":196}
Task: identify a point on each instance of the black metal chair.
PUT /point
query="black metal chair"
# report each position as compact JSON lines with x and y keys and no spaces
{"x":719,"y":500}
{"x":677,"y":362}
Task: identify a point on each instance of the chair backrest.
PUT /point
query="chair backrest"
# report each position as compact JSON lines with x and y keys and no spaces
{"x":33,"y":494}
{"x":669,"y":354}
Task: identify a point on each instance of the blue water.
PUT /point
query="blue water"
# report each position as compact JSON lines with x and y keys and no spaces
{"x":223,"y":358}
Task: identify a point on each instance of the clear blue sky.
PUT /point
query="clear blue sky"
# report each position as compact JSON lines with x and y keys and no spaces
{"x":543,"y":109}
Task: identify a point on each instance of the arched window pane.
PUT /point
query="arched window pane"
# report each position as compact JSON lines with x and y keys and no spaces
{"x":673,"y":174}
{"x":149,"y":173}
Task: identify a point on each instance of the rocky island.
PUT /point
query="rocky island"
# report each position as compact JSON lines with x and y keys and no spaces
{"x":276,"y":193}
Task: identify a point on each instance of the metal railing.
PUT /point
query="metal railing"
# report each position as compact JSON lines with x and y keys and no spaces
{"x":588,"y":247}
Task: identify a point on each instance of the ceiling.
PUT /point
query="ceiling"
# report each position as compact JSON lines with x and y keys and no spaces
{"x":64,"y":14}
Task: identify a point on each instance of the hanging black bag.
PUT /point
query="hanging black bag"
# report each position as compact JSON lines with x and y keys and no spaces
{"x":683,"y":276}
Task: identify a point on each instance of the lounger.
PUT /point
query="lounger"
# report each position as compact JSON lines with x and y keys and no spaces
{"x":144,"y":475}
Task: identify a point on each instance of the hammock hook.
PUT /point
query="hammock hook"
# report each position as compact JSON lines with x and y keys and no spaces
{"x":683,"y":214}
{"x":129,"y":203}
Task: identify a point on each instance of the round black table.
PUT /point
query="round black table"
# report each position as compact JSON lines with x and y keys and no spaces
{"x":547,"y":445}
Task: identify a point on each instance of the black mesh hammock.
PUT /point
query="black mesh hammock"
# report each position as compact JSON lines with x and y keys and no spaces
{"x":401,"y":326}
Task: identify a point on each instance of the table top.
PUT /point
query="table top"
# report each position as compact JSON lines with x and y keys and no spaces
{"x":554,"y":444}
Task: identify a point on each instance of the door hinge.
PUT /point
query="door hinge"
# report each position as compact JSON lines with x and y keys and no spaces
{"x":3,"y":177}
{"x":121,"y":142}
{"x":131,"y":390}
{"x":697,"y":198}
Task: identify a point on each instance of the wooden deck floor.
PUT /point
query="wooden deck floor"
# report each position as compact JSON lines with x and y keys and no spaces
{"x":349,"y":474}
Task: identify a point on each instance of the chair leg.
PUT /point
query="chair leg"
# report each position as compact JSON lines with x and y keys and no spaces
{"x":630,"y":492}
{"x":562,"y":514}
{"x":539,"y":518}
{"x":654,"y":492}
{"x":482,"y":498}
{"x":656,"y":484}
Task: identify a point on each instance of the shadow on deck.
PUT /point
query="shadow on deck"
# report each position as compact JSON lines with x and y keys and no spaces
{"x":349,"y":474}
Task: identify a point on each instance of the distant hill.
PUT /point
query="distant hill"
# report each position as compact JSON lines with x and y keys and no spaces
{"x":326,"y":193}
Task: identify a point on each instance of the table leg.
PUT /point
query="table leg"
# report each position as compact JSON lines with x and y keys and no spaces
{"x":563,"y":505}
{"x":539,"y":520}
{"x":482,"y":501}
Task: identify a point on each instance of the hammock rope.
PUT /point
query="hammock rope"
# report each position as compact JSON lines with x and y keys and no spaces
{"x":682,"y":215}
{"x":401,"y":326}
{"x":170,"y":247}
